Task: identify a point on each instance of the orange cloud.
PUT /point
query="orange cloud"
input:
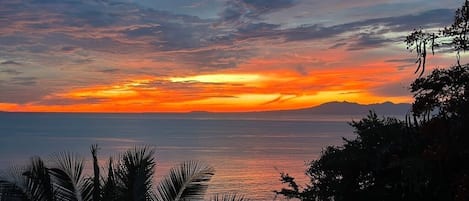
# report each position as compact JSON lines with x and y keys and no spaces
{"x":281,"y":88}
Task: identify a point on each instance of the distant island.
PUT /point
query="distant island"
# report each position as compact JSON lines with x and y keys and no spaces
{"x":335,"y":108}
{"x":349,"y":108}
{"x":329,"y":108}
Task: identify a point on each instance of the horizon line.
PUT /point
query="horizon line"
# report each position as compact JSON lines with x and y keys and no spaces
{"x":200,"y":111}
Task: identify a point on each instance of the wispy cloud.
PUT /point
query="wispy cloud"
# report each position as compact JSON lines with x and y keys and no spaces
{"x":10,"y":71}
{"x":237,"y":11}
{"x":10,"y":62}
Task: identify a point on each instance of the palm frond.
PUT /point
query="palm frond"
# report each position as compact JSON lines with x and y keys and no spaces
{"x":96,"y":184}
{"x":229,"y":197}
{"x":68,"y":177}
{"x":39,"y":183}
{"x":135,"y":174}
{"x":188,"y":181}
{"x":109,"y":191}
{"x":13,"y":185}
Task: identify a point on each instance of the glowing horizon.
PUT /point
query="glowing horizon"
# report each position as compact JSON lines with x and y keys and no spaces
{"x":218,"y":56}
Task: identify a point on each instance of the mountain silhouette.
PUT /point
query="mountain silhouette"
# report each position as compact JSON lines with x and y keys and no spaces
{"x":386,"y":108}
{"x":332,"y":108}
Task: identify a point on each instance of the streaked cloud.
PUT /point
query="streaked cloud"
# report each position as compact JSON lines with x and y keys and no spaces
{"x":10,"y":62}
{"x":238,"y":11}
{"x":206,"y":55}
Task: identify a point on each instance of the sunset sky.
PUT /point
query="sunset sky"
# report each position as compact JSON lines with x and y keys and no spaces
{"x":211,"y":55}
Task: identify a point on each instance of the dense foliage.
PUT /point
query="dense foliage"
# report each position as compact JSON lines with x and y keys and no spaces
{"x":392,"y":159}
{"x":425,"y":157}
{"x":443,"y":91}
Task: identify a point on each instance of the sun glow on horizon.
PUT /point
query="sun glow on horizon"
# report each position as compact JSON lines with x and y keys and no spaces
{"x":206,"y":58}
{"x":223,"y":92}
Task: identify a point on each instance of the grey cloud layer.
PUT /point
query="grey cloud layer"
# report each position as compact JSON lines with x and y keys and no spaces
{"x":61,"y":35}
{"x":126,"y":28}
{"x":240,"y":10}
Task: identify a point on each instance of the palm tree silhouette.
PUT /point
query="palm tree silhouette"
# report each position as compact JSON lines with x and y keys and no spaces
{"x":130,"y":179}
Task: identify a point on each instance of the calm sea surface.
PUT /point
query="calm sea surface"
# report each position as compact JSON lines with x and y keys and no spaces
{"x":247,"y":151}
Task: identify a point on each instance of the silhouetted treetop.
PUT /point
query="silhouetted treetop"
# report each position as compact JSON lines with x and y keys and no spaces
{"x":454,"y":37}
{"x":443,"y":91}
{"x":458,"y":31}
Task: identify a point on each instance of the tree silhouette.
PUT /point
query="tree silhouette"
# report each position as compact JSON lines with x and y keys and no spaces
{"x":373,"y":166}
{"x":424,"y":158}
{"x":444,"y":91}
{"x":454,"y":37}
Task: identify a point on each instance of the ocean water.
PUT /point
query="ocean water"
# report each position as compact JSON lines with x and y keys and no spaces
{"x":248,"y":151}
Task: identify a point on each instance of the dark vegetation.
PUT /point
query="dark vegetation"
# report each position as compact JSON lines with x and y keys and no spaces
{"x":128,"y":179}
{"x":425,"y":157}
